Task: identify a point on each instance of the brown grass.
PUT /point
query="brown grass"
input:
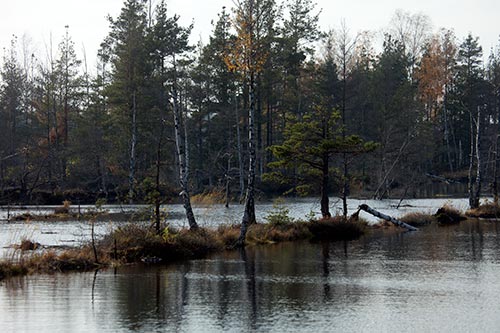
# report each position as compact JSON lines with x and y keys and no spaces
{"x":215,"y":196}
{"x":336,"y":228}
{"x":274,"y":233}
{"x":418,"y":219}
{"x":135,"y":242}
{"x":228,"y":235}
{"x":47,"y":262}
{"x":487,"y":211}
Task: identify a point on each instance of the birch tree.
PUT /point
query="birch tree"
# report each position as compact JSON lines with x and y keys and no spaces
{"x":247,"y":55}
{"x":170,"y":42}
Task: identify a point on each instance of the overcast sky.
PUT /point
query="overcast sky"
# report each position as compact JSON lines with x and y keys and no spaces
{"x":39,"y":19}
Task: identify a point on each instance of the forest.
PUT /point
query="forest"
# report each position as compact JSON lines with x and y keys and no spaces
{"x":270,"y":104}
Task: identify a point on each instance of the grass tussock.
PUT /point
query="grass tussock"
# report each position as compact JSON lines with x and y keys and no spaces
{"x":131,"y":243}
{"x":228,"y":235}
{"x":336,"y":228}
{"x":80,"y":259}
{"x":417,"y":219}
{"x":448,"y":215}
{"x":488,"y":210}
{"x":270,"y":233}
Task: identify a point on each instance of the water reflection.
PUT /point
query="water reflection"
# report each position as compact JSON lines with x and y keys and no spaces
{"x":439,"y":279}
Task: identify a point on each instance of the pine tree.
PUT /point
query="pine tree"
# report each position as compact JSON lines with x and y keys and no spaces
{"x":12,"y":84}
{"x":312,"y":141}
{"x":126,"y":46}
{"x":68,"y":91}
{"x":470,"y":82}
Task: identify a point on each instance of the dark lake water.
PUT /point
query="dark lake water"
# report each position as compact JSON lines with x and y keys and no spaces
{"x":440,"y":279}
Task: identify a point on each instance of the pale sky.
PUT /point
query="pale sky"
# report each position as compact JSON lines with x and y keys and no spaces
{"x":39,"y":19}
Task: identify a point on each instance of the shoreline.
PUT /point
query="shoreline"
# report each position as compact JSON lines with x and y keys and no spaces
{"x":135,"y":243}
{"x":131,"y":244}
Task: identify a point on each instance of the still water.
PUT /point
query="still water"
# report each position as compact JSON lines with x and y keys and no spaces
{"x":440,"y":279}
{"x":73,"y":233}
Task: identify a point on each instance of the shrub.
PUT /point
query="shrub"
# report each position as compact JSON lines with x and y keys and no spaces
{"x":280,"y":215}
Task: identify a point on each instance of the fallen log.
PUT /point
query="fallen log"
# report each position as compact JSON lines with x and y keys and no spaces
{"x":378,"y":214}
{"x":443,"y":179}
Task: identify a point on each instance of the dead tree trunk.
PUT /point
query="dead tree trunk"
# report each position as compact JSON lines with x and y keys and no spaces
{"x":376,"y":213}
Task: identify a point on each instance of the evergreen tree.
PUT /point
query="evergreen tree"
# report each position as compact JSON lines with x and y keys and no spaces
{"x":68,"y":91}
{"x":395,"y":114}
{"x":127,"y":97}
{"x":11,"y":113}
{"x":470,"y":85}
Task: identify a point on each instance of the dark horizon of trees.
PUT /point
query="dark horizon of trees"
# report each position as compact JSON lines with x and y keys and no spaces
{"x":162,"y":117}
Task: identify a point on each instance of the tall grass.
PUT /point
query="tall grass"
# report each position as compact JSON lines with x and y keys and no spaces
{"x":215,"y":196}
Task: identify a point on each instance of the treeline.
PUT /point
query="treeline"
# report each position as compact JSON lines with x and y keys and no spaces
{"x":157,"y":111}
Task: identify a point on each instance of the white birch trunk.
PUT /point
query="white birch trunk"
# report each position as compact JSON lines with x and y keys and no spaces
{"x":240,"y":153}
{"x":249,"y":213}
{"x":478,"y":159}
{"x":182,"y":160}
